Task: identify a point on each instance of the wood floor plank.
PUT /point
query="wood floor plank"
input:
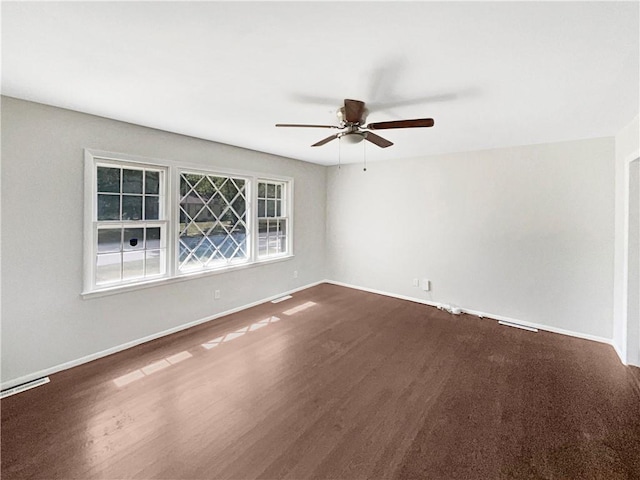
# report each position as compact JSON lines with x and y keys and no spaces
{"x":334,"y":383}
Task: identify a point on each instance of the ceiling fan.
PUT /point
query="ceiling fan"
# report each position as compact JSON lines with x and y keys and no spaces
{"x":351,"y":121}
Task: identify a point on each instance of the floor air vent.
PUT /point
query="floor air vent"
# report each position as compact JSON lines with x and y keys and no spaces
{"x":281,"y":299}
{"x":516,"y":325}
{"x":24,"y":387}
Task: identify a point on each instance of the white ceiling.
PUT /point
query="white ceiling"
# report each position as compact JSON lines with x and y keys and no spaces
{"x":490,"y":74}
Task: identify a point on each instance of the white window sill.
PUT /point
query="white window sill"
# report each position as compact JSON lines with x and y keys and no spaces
{"x":116,"y":289}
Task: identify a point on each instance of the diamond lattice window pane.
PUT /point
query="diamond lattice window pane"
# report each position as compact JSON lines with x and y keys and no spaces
{"x":183,"y":219}
{"x":217,"y":235}
{"x":229,"y":190}
{"x":204,"y":216}
{"x":229,"y":219}
{"x":242,"y":251}
{"x":240,"y":229}
{"x":240,"y":237}
{"x":204,"y":251}
{"x":184,"y":251}
{"x":205,"y":189}
{"x":239,"y":205}
{"x":187,"y":181}
{"x":217,"y":260}
{"x":228,"y":247}
{"x":217,"y":204}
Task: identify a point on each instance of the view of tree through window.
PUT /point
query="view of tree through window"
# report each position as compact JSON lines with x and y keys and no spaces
{"x":272,"y":219}
{"x":140,"y":227}
{"x":213,"y":221}
{"x":130,"y":240}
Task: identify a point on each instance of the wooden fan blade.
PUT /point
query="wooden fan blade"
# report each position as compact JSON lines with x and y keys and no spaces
{"x":303,"y":125}
{"x":353,"y":110}
{"x":378,"y":140}
{"x":326,"y":140}
{"x":420,"y":122}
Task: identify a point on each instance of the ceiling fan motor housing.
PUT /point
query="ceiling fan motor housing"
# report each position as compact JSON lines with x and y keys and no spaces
{"x":342,"y":117}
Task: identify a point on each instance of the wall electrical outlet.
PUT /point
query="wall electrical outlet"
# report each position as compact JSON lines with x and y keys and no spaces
{"x":425,"y":285}
{"x":216,"y":294}
{"x":416,"y":282}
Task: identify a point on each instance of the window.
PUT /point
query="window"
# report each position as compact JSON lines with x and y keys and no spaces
{"x":272,"y":219}
{"x":213,"y":221}
{"x":130,"y":225}
{"x":152,"y":220}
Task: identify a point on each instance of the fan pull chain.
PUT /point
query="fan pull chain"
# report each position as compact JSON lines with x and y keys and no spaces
{"x":339,"y":152}
{"x":364,"y":150}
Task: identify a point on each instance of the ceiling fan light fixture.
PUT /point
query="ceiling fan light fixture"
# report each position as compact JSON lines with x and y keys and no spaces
{"x":352,"y":137}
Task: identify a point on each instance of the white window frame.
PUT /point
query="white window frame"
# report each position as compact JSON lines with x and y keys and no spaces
{"x":171,"y":199}
{"x":249,"y":187}
{"x":284,"y":214}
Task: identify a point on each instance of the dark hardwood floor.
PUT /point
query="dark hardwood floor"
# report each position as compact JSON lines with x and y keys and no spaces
{"x":335,"y":383}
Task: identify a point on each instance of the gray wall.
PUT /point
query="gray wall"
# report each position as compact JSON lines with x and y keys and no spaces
{"x":633,"y":266}
{"x":626,"y":331}
{"x":525,"y":233}
{"x":45,"y":322}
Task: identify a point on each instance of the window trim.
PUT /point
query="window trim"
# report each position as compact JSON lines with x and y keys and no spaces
{"x":163,"y":221}
{"x":287,"y":215}
{"x":171,"y":205}
{"x":249,"y":215}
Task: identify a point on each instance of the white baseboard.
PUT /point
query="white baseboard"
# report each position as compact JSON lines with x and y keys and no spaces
{"x":387,"y":294}
{"x":618,"y":350}
{"x":109,"y":351}
{"x":492,"y":316}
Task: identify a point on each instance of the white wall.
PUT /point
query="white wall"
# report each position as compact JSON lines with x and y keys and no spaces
{"x":525,"y":233}
{"x":45,"y":322}
{"x":633,"y":266}
{"x":627,"y":150}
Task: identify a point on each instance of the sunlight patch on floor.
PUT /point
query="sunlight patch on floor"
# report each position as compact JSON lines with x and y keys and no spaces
{"x":238,"y":333}
{"x":178,"y":357}
{"x":151,"y":368}
{"x":181,"y":356}
{"x":299,"y":308}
